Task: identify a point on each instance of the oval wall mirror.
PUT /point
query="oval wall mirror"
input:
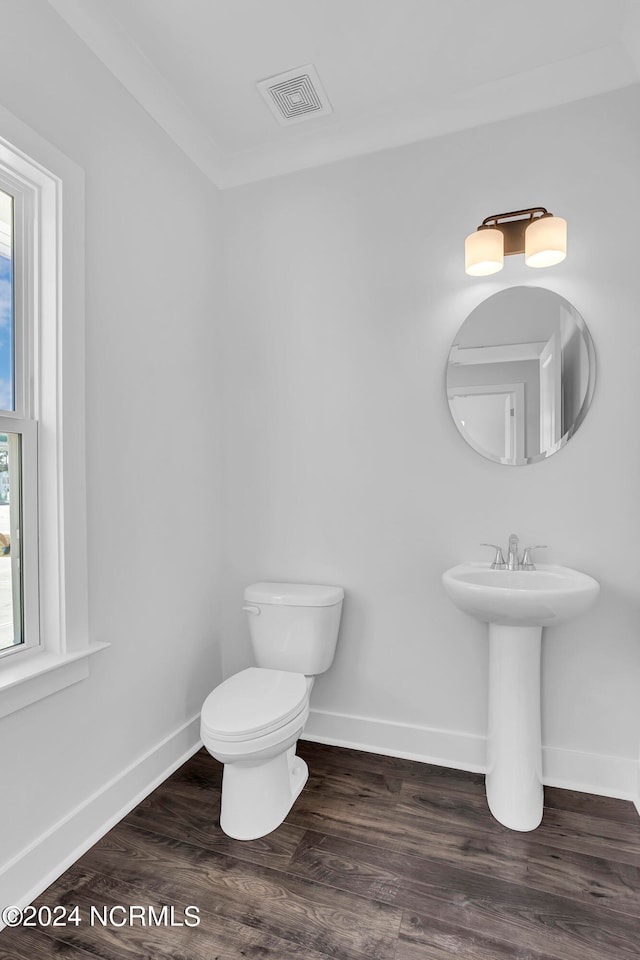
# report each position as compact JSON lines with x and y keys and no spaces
{"x":521,"y":375}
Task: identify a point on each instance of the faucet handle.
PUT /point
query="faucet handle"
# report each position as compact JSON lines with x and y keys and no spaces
{"x":527,"y":562}
{"x":498,"y":560}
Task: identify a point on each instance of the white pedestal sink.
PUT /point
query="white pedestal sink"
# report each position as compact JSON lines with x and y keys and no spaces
{"x":517,"y":604}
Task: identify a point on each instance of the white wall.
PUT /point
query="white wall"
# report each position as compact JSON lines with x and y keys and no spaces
{"x":152,"y":252}
{"x":345,"y":289}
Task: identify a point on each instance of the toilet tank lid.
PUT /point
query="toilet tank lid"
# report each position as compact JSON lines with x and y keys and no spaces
{"x":293,"y":594}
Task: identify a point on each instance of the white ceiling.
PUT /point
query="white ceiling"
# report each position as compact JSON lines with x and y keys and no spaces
{"x":395,"y":71}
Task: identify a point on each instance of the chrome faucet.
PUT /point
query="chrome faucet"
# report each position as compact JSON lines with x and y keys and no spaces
{"x":513,"y":561}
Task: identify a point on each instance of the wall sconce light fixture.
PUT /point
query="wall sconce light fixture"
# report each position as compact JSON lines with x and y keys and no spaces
{"x":535,"y":232}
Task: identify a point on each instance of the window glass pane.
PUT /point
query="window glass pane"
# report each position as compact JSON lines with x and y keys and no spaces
{"x":6,"y":302}
{"x":10,"y":576}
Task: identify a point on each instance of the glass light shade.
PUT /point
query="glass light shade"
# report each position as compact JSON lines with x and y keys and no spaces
{"x":484,"y":252}
{"x":545,"y":242}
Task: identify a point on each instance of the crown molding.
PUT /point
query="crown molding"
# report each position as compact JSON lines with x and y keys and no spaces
{"x":632,"y":34}
{"x":143,"y":81}
{"x":575,"y":78}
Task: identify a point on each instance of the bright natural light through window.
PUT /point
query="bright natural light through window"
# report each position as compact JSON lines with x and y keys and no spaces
{"x":11,"y":633}
{"x":6,"y":302}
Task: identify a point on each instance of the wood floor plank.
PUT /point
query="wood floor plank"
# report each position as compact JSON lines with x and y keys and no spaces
{"x":524,"y":858}
{"x":592,"y":806}
{"x":217,"y":936}
{"x":281,"y":905}
{"x":593,"y":835}
{"x":199,"y":775}
{"x":423,"y":938}
{"x":563,"y":829}
{"x":176,"y":814}
{"x":511,"y":913}
{"x":352,"y":804}
{"x":367,"y":824}
{"x":27,"y":944}
{"x":356,"y":786}
{"x":321,"y":758}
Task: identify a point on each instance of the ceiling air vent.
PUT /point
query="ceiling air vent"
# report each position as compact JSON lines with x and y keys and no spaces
{"x":296,"y":95}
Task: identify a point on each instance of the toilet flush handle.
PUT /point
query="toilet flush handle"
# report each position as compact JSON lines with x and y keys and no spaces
{"x":254,"y":611}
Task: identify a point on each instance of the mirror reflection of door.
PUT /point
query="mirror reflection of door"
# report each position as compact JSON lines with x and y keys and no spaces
{"x":493,"y":416}
{"x":532,"y":339}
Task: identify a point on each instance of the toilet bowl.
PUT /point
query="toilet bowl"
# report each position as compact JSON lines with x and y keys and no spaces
{"x":252,"y":721}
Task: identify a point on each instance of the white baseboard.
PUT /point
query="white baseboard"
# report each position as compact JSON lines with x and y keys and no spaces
{"x":596,"y":773}
{"x":570,"y":769}
{"x":29,"y":873}
{"x":445,"y":748}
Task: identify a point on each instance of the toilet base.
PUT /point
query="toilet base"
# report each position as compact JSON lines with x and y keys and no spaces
{"x":256,"y":797}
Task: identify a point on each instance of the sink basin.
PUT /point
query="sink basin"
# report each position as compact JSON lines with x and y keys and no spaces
{"x":520,"y":598}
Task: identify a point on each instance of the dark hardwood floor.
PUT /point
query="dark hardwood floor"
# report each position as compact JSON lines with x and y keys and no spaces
{"x":380,"y":859}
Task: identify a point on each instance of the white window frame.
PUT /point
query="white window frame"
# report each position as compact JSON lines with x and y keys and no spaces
{"x":50,"y":298}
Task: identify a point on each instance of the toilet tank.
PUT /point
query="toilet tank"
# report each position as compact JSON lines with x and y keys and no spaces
{"x":294,"y":626}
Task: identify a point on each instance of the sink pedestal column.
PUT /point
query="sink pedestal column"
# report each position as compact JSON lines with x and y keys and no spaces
{"x":514,"y":755}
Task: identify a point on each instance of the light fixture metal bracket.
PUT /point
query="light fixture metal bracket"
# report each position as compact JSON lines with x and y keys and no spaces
{"x":513,"y":225}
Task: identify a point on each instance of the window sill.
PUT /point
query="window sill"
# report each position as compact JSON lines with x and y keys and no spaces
{"x":42,"y":674}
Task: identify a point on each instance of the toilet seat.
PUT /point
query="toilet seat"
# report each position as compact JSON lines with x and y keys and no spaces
{"x":254,"y":703}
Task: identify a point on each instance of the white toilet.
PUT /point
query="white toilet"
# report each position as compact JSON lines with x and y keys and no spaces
{"x":252,"y":721}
